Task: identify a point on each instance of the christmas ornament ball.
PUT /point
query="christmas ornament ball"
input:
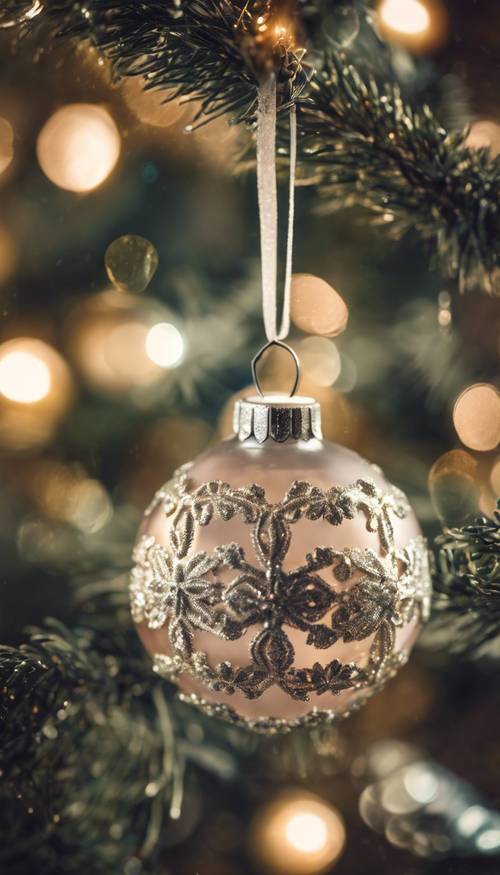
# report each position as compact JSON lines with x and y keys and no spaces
{"x":279,"y":580}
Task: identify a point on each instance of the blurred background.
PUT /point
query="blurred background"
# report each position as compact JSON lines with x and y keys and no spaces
{"x":130,"y":303}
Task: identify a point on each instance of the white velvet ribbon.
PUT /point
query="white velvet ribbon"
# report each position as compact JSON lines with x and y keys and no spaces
{"x":268,"y":210}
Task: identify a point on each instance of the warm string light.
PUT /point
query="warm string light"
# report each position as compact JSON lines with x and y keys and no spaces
{"x":165,"y":345}
{"x":320,"y":360}
{"x":124,"y":342}
{"x":485,"y":134}
{"x":405,"y":16}
{"x":298,"y":834}
{"x":24,"y":377}
{"x":316,"y":307}
{"x":78,"y":147}
{"x":66,"y":493}
{"x":35,"y":391}
{"x":476,"y":417}
{"x":454,"y":486}
{"x":419,"y":25}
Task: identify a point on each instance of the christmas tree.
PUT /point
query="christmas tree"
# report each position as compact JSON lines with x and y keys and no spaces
{"x":130,"y":275}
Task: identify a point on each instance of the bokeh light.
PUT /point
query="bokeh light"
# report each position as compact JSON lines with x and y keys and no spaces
{"x":444,"y":310}
{"x":24,"y":376}
{"x":454,"y":485}
{"x":6,"y":144}
{"x":306,"y":832}
{"x":150,"y":106}
{"x":78,"y":147}
{"x":131,"y":262}
{"x":87,"y":506}
{"x":476,"y":417}
{"x":35,"y":391}
{"x":165,"y":345}
{"x":419,"y":25}
{"x":405,"y":16}
{"x":316,"y":307}
{"x":320,"y":360}
{"x":120,"y":343}
{"x":66,"y":493}
{"x":297,"y":834}
{"x":485,"y":134}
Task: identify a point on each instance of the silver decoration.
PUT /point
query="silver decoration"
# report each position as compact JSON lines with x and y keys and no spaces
{"x":179,"y":589}
{"x":260,"y":423}
{"x":262,"y":419}
{"x":422,"y":807}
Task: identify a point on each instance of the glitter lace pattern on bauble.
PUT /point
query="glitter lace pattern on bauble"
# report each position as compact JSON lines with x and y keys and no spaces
{"x":180,"y":589}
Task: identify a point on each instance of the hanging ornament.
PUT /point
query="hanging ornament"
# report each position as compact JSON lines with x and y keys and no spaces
{"x":279,"y":580}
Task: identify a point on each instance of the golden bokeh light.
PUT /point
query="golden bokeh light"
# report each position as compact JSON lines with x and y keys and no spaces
{"x":419,"y":25}
{"x":150,"y":106}
{"x":87,"y":505}
{"x":485,"y":134}
{"x":123,"y":342}
{"x":165,"y":345}
{"x":476,"y":417}
{"x":6,"y":144}
{"x":316,"y":307}
{"x":297,"y":834}
{"x":78,"y":147}
{"x":65,"y":493}
{"x":320,"y":360}
{"x":35,"y":391}
{"x":455,"y":485}
{"x":405,"y":16}
{"x":24,"y":377}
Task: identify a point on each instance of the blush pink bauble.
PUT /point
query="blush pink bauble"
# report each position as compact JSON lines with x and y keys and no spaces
{"x":280,"y":580}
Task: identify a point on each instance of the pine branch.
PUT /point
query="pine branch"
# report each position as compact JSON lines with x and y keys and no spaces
{"x":81,"y":725}
{"x":467,"y":584}
{"x":365,"y":145}
{"x":362,"y":143}
{"x":211,"y":51}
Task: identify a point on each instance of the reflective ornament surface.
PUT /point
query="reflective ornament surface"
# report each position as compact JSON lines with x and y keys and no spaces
{"x":279,"y":580}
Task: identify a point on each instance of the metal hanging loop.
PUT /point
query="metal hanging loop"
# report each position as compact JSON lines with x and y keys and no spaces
{"x":256,"y":359}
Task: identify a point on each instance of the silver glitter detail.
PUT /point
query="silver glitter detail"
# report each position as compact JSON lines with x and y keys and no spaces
{"x":263,"y":419}
{"x":280,"y":726}
{"x":180,"y":589}
{"x":245,"y":421}
{"x":261,"y":423}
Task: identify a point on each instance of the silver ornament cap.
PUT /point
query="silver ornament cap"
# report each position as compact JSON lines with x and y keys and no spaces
{"x":278,"y":418}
